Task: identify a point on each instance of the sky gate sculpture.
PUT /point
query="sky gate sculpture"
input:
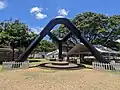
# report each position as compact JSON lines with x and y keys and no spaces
{"x":74,"y":31}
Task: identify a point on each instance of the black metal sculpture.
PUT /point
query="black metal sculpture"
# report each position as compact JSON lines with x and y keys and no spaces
{"x":74,"y":31}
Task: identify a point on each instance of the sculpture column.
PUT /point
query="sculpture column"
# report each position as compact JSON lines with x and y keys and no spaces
{"x":60,"y":50}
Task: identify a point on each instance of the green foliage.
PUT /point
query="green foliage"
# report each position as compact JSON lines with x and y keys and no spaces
{"x":45,"y":46}
{"x":15,"y":30}
{"x":96,"y":28}
{"x":22,"y":35}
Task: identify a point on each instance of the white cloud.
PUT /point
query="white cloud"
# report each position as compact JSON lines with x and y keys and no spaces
{"x":36,"y":10}
{"x":3,"y":4}
{"x":37,"y":30}
{"x":40,"y":16}
{"x":62,"y":13}
{"x":38,"y":13}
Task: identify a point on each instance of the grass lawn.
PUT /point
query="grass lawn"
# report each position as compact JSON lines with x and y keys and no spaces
{"x":35,"y":62}
{"x":88,"y":66}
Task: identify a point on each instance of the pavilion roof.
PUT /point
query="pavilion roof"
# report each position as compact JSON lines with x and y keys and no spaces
{"x":82,"y":49}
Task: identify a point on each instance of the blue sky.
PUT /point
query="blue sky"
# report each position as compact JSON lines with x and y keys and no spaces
{"x":37,"y":13}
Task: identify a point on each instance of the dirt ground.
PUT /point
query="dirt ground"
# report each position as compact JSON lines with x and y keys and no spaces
{"x":42,"y":79}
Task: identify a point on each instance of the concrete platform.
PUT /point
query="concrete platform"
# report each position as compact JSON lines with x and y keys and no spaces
{"x":60,"y":63}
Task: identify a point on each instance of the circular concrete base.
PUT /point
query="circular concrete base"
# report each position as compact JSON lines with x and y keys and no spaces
{"x":61,"y":65}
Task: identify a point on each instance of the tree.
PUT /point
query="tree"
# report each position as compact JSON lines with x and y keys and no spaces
{"x":22,"y":35}
{"x":96,"y":28}
{"x":92,"y":26}
{"x":46,"y":46}
{"x":17,"y":31}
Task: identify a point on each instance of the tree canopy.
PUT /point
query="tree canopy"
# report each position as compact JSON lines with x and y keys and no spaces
{"x":96,"y":28}
{"x":22,"y":36}
{"x":45,"y":46}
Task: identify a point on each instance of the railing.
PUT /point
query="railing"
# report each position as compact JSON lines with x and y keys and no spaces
{"x":106,"y":66}
{"x":15,"y":65}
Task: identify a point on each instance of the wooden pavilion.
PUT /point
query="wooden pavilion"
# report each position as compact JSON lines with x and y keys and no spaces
{"x":81,"y":51}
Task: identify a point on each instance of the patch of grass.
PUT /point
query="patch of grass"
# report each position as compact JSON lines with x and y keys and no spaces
{"x":113,"y":72}
{"x":35,"y":62}
{"x":88,"y":66}
{"x":37,"y":59}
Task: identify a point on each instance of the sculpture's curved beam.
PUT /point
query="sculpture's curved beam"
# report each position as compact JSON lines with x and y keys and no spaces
{"x":53,"y":37}
{"x":74,"y":31}
{"x":66,"y":37}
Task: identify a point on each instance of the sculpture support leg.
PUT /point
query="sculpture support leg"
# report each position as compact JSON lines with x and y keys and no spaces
{"x":24,"y":56}
{"x":60,"y":50}
{"x":93,"y":50}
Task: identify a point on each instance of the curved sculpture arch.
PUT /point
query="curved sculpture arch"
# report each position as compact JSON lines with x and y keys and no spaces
{"x":72,"y":28}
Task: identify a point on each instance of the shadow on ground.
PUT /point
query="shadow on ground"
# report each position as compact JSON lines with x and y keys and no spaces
{"x":34,"y":61}
{"x":42,"y":65}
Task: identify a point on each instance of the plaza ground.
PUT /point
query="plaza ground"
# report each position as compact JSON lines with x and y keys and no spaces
{"x":48,"y":79}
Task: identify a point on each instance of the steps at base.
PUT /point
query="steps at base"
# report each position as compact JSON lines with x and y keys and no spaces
{"x":60,"y":63}
{"x":61,"y":66}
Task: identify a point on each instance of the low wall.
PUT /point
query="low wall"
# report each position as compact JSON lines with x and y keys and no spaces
{"x":15,"y":65}
{"x":106,"y":66}
{"x":6,"y":54}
